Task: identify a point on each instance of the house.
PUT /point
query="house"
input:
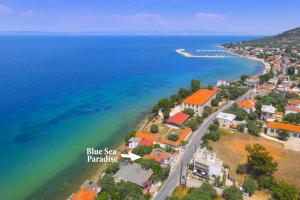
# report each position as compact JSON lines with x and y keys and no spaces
{"x":134,"y":142}
{"x":160,"y":156}
{"x":247,"y":105}
{"x":252,"y":81}
{"x":185,"y":134}
{"x":133,"y":173}
{"x":268,"y":113}
{"x":145,"y":142}
{"x":199,"y":100}
{"x":88,"y":191}
{"x":178,"y":119}
{"x":206,"y":163}
{"x":273,"y":128}
{"x":294,"y":102}
{"x":291,"y":109}
{"x":225,"y":119}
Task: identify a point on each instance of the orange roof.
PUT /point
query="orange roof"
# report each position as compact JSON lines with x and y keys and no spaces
{"x":294,"y":101}
{"x":201,"y":96}
{"x":245,"y":104}
{"x":278,"y":113}
{"x":292,"y":108}
{"x":85,"y":194}
{"x":178,"y":119}
{"x":282,"y":126}
{"x":158,"y":155}
{"x":146,"y":136}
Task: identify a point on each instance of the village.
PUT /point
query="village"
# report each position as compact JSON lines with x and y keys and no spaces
{"x":264,"y":108}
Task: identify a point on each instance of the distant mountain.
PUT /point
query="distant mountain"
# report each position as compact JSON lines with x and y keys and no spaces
{"x":287,"y":38}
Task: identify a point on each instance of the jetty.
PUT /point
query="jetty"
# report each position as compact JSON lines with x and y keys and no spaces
{"x":189,"y":55}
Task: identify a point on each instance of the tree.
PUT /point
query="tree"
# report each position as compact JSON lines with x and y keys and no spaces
{"x":173,"y":198}
{"x":284,"y":191}
{"x":250,"y":185}
{"x":204,"y":192}
{"x":283,"y":135}
{"x":195,"y":85}
{"x":107,"y":184}
{"x":232,"y":193}
{"x":241,"y":127}
{"x":183,"y":93}
{"x":241,"y":169}
{"x":265,"y":182}
{"x":129,"y":191}
{"x":244,"y":77}
{"x":129,"y":135}
{"x":206,"y":112}
{"x":253,"y":128}
{"x":142,"y":150}
{"x":103,"y":196}
{"x":192,"y":123}
{"x":166,"y":114}
{"x":214,"y":102}
{"x":214,"y":135}
{"x":252,"y":116}
{"x":189,"y":111}
{"x":112,"y":168}
{"x":173,"y":137}
{"x":154,"y":128}
{"x":259,"y":161}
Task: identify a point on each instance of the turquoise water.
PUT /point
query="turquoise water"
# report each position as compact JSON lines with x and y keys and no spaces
{"x":59,"y":95}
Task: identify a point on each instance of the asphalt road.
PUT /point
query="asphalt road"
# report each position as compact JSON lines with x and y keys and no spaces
{"x":173,"y":179}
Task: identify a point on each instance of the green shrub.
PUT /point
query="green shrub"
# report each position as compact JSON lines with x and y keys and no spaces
{"x":154,"y":128}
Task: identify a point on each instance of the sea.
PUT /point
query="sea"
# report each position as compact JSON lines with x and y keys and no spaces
{"x":62,"y":94}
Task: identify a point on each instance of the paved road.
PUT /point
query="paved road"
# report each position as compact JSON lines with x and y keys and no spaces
{"x":173,"y":179}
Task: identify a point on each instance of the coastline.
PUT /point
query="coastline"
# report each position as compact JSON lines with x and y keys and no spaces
{"x":145,"y":117}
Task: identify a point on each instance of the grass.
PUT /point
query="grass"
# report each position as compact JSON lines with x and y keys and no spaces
{"x":231,"y":149}
{"x":180,"y":191}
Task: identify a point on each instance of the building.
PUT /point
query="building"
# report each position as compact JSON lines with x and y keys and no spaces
{"x":225,"y":119}
{"x":145,"y":142}
{"x":178,"y":119}
{"x":268,"y":113}
{"x":199,"y":100}
{"x":88,"y":191}
{"x":133,"y":173}
{"x":252,"y":81}
{"x":273,"y":128}
{"x":206,"y":163}
{"x":185,"y":134}
{"x":291,"y":109}
{"x":294,"y":102}
{"x":134,"y":142}
{"x":247,"y":105}
{"x":160,"y":156}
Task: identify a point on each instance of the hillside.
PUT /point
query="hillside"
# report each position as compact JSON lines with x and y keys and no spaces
{"x":289,"y":38}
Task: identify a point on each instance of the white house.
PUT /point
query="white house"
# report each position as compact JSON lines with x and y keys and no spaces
{"x":247,"y":105}
{"x":273,"y":128}
{"x":291,"y":109}
{"x":268,"y":113}
{"x":134,"y":142}
{"x":294,"y":102}
{"x":206,"y":163}
{"x":225,"y":119}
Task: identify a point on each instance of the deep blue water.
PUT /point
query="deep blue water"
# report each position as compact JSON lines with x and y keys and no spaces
{"x":59,"y":95}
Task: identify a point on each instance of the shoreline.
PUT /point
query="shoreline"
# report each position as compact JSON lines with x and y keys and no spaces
{"x":145,"y":117}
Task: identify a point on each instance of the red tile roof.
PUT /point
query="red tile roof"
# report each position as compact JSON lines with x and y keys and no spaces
{"x":294,"y":101}
{"x":178,"y":118}
{"x":282,"y":126}
{"x":85,"y":194}
{"x":247,"y":103}
{"x":145,"y":142}
{"x":147,"y":136}
{"x":292,"y":108}
{"x":201,"y":96}
{"x":158,"y":155}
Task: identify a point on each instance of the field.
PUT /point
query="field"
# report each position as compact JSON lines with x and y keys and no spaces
{"x":231,"y":149}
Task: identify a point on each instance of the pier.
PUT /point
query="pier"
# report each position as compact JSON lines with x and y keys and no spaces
{"x":189,"y":55}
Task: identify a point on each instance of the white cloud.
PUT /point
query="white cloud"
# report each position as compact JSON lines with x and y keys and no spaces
{"x":209,"y":16}
{"x":5,"y":10}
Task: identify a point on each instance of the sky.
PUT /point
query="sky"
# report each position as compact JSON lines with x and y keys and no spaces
{"x":205,"y":17}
